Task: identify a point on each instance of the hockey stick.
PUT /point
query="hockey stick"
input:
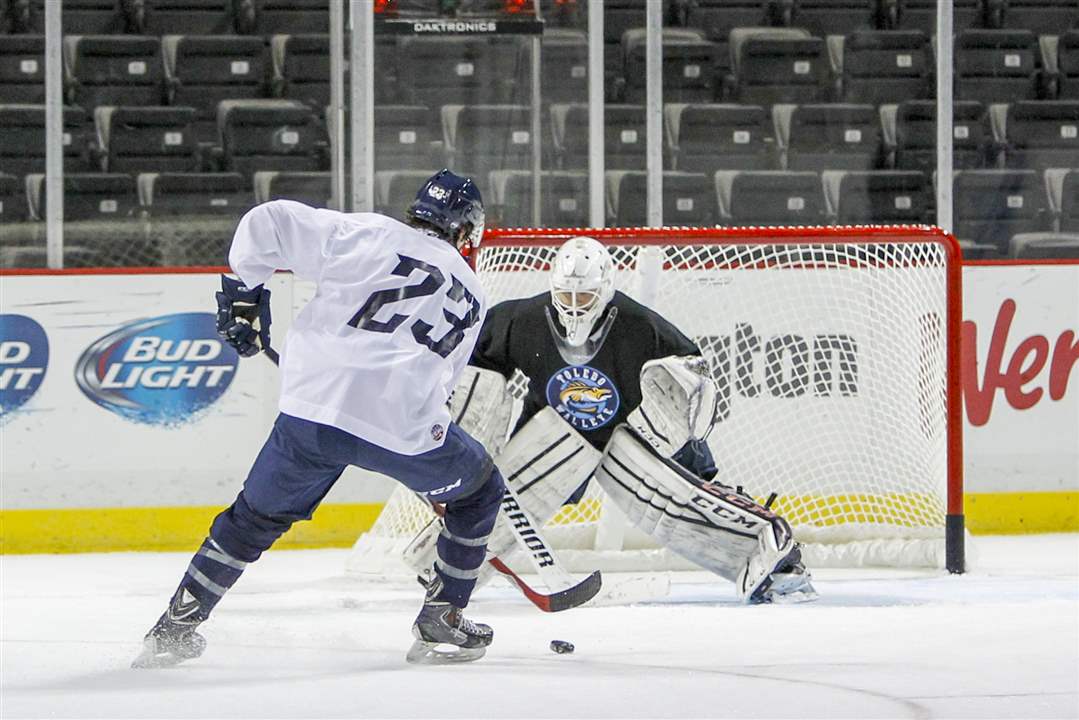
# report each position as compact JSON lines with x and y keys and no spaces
{"x":559,"y":600}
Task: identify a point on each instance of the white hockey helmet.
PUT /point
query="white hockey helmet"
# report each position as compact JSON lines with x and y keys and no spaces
{"x":582,"y":283}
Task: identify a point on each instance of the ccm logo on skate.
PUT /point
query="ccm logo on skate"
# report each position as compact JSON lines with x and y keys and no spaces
{"x":24,"y":355}
{"x":160,"y":371}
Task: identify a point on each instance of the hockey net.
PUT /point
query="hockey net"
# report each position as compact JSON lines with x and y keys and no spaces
{"x":835,"y":352}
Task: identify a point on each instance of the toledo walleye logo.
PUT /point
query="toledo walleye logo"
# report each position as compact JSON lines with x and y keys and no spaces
{"x":583,"y":396}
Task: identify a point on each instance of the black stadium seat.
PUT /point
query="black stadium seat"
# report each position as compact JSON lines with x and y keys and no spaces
{"x":706,"y":138}
{"x":1038,"y":133}
{"x":770,"y":198}
{"x":565,"y":66}
{"x":688,"y":198}
{"x":881,"y":196}
{"x":91,"y":17}
{"x":12,"y":199}
{"x":270,"y":135}
{"x":922,"y":14}
{"x":481,"y":138}
{"x":718,"y":17}
{"x":22,"y":68}
{"x":829,"y":137}
{"x":87,"y":196}
{"x":778,"y":65}
{"x":170,"y":194}
{"x":310,"y":188}
{"x":289,"y":16}
{"x":689,"y":66}
{"x":396,"y":189}
{"x":187,"y":17}
{"x":1064,"y":196}
{"x":1042,"y":17}
{"x":22,"y":139}
{"x":443,"y":70}
{"x":302,"y":68}
{"x":831,"y":17}
{"x":1068,"y":65}
{"x":112,"y":70}
{"x":623,"y":136}
{"x":146,"y":139}
{"x":564,"y":198}
{"x":993,"y":205}
{"x":404,"y":139}
{"x":203,"y":70}
{"x":996,"y":65}
{"x":911,"y":130}
{"x":885,"y":66}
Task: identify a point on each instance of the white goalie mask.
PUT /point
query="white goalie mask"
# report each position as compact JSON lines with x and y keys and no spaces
{"x":582,"y":283}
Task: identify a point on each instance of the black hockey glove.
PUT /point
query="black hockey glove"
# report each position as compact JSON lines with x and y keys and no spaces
{"x":238,"y":310}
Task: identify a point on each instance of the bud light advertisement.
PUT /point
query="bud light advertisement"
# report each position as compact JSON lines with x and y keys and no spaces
{"x":24,"y":356}
{"x":161,"y":371}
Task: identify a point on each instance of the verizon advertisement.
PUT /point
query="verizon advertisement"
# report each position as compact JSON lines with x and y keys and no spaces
{"x":1021,"y":378}
{"x":116,"y":392}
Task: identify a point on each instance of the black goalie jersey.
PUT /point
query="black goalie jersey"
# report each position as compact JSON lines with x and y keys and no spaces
{"x":595,"y":396}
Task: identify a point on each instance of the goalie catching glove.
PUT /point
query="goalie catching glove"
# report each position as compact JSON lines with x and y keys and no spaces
{"x":678,"y":403}
{"x":243,"y":317}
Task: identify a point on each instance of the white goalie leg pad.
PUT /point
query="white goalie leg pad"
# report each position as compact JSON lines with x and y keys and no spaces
{"x":482,"y":407}
{"x":678,"y":403}
{"x":703,"y":522}
{"x":543,"y":463}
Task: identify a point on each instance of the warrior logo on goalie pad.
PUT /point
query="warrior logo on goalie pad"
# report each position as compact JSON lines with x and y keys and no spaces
{"x":583,"y":396}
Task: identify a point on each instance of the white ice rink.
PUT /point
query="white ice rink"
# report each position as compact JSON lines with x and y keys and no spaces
{"x":296,"y":638}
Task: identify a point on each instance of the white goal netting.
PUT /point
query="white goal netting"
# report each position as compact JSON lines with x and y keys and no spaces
{"x":830,"y":350}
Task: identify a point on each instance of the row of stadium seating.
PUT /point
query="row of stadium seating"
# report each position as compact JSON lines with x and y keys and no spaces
{"x":715,"y":18}
{"x":252,"y":135}
{"x":991,"y":206}
{"x":768,"y":65}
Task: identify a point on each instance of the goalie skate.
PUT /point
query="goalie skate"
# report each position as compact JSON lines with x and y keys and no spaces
{"x":440,"y":625}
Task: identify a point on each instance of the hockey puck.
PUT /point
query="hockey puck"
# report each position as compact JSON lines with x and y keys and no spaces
{"x":561,"y":647}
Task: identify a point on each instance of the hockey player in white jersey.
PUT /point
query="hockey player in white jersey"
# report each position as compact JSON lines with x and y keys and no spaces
{"x":366,"y":371}
{"x":617,"y":392}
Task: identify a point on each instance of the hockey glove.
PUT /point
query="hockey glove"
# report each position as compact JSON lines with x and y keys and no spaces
{"x":243,"y":317}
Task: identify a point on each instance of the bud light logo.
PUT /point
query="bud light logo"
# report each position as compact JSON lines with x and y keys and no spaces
{"x":160,"y":371}
{"x":24,"y":355}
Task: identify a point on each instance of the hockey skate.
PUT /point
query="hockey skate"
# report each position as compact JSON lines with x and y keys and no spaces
{"x":439,"y":624}
{"x":789,"y":583}
{"x":173,"y":639}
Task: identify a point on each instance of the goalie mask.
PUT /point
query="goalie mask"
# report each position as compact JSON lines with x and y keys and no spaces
{"x":582,"y":285}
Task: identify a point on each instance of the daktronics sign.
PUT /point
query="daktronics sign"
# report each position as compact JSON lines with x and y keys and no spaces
{"x":160,"y":371}
{"x":24,"y":357}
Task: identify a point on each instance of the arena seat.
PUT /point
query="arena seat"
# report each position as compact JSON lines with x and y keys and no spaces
{"x":830,"y":17}
{"x":996,"y":65}
{"x":922,"y":15}
{"x":301,"y":68}
{"x":271,"y":17}
{"x":1067,"y":57}
{"x":688,"y":198}
{"x":22,"y":139}
{"x":90,"y":17}
{"x":310,"y":188}
{"x":706,"y":138}
{"x":883,"y":66}
{"x":87,"y":196}
{"x":396,"y":189}
{"x":564,"y":198}
{"x":22,"y":68}
{"x":689,"y":66}
{"x":777,"y":65}
{"x":828,"y":137}
{"x":564,"y":62}
{"x":770,"y":198}
{"x":187,"y":17}
{"x":481,"y":138}
{"x":112,"y":70}
{"x":203,"y":70}
{"x":145,"y":139}
{"x":270,"y":135}
{"x":445,"y":70}
{"x":623,"y":135}
{"x":168,"y":194}
{"x":1063,"y":188}
{"x":1037,"y":133}
{"x":13,"y":206}
{"x":404,"y":139}
{"x":1041,"y":17}
{"x":716,"y":18}
{"x":1044,"y":246}
{"x":876,"y":197}
{"x":993,"y":205}
{"x":910,"y":134}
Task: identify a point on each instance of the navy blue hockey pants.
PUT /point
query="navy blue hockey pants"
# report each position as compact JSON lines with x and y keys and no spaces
{"x":299,"y":464}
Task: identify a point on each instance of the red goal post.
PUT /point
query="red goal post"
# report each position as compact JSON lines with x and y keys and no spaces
{"x":836,"y":350}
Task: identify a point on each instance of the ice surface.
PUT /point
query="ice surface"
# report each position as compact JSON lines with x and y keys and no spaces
{"x":296,"y":638}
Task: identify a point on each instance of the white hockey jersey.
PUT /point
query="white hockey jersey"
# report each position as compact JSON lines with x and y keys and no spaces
{"x":396,"y":313}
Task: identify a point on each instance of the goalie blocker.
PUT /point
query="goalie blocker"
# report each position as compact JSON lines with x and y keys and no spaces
{"x":705,"y":522}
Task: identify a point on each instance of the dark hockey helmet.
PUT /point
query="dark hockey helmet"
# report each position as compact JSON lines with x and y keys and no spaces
{"x":449,"y":203}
